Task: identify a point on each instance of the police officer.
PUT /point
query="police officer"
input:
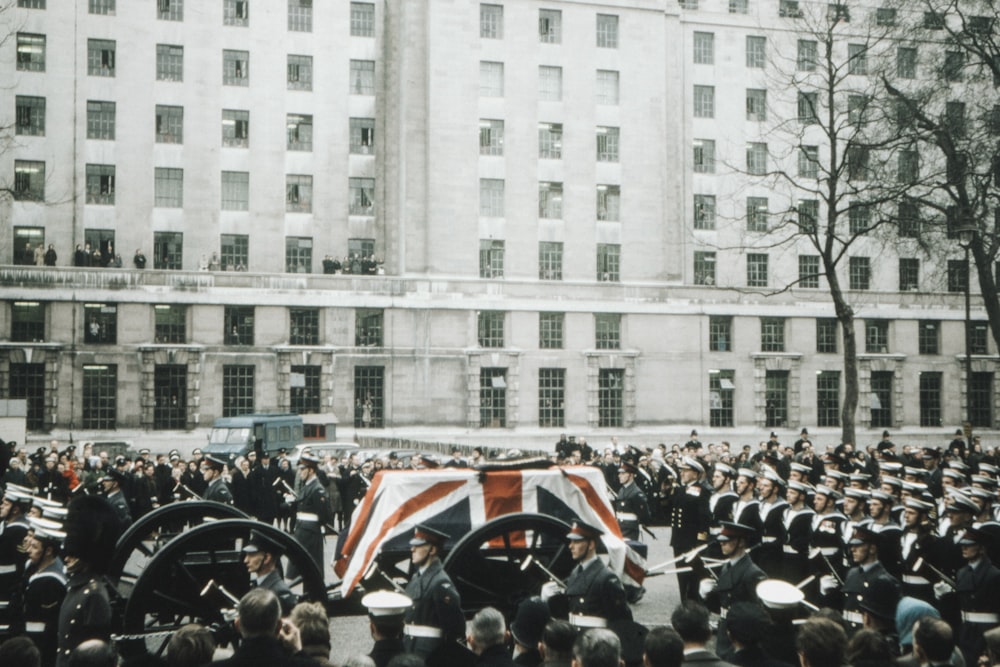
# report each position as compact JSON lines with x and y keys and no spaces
{"x":595,"y":594}
{"x":312,"y":512}
{"x":631,"y":508}
{"x":978,"y":588}
{"x":689,"y":518}
{"x":435,"y":621}
{"x":262,"y":556}
{"x":386,"y":610}
{"x":45,"y":586}
{"x":112,"y":484}
{"x":216,"y":490}
{"x":13,"y":511}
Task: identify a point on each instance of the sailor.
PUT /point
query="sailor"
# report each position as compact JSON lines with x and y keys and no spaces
{"x":745,"y":511}
{"x":826,"y":542}
{"x":216,"y":490}
{"x":112,"y":483}
{"x":312,"y":512}
{"x":978,"y":587}
{"x":919,"y":551}
{"x":386,"y":610}
{"x":595,"y":594}
{"x":854,"y":505}
{"x":631,"y":508}
{"x":45,"y":586}
{"x":798,"y":529}
{"x":689,"y":518}
{"x":435,"y":621}
{"x":890,"y":533}
{"x":723,"y":498}
{"x":262,"y":557}
{"x":13,"y":530}
{"x":863,"y":545}
{"x":771,"y":507}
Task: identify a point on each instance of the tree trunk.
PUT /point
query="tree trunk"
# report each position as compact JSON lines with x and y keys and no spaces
{"x":987,"y":286}
{"x":849,"y":407}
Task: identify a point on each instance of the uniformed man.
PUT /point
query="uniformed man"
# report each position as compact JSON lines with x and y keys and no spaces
{"x":45,"y":586}
{"x":216,"y":488}
{"x":978,"y":588}
{"x":826,"y":541}
{"x":771,"y":508}
{"x":631,"y":508}
{"x":798,"y":531}
{"x":595,"y":594}
{"x":745,"y":511}
{"x":863,"y":546}
{"x":435,"y":621}
{"x":689,"y":518}
{"x":918,"y":546}
{"x":723,"y":498}
{"x":112,"y":485}
{"x":262,"y":556}
{"x":312,"y":512}
{"x":890,"y":533}
{"x":386,"y":610}
{"x":13,"y":514}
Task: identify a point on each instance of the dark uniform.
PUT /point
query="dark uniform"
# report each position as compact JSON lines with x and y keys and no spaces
{"x":274,"y":582}
{"x":435,"y":621}
{"x":631,"y":508}
{"x":978,"y":588}
{"x":43,"y":596}
{"x":596,"y":591}
{"x":85,"y":614}
{"x":219,"y":492}
{"x":798,"y":532}
{"x":386,"y":610}
{"x":858,"y":580}
{"x":118,"y":502}
{"x":769,"y":554}
{"x":312,"y":514}
{"x":12,"y":533}
{"x":689,"y":522}
{"x":737,"y":583}
{"x":921,"y":547}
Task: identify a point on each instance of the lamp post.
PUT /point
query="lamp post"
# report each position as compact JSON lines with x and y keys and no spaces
{"x":966,"y":235}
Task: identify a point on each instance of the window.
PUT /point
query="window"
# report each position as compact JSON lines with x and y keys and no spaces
{"x":877,"y":336}
{"x":490,"y":79}
{"x":362,"y":196}
{"x":808,"y":215}
{"x":303,"y":326}
{"x":958,"y":275}
{"x":27,"y":322}
{"x":857,"y":106}
{"x":170,"y":10}
{"x":237,"y":390}
{"x":859,"y":273}
{"x":980,"y":337}
{"x":550,"y":255}
{"x":491,"y":328}
{"x":720,"y":397}
{"x":300,"y":72}
{"x":235,"y":68}
{"x":25,"y":238}
{"x":933,"y":21}
{"x":808,"y":108}
{"x":100,"y":323}
{"x":102,"y":240}
{"x":954,"y":63}
{"x":828,"y":398}
{"x":881,"y":399}
{"x":772,"y":334}
{"x":239,"y":325}
{"x":170,"y":396}
{"x":930,"y":399}
{"x":807,"y":56}
{"x":550,"y":330}
{"x":720,"y":333}
{"x":169,"y":187}
{"x":838,"y":13}
{"x":100,"y":396}
{"x":490,"y":21}
{"x":809,"y":271}
{"x":235,"y":190}
{"x":607,"y":144}
{"x":298,"y":193}
{"x":490,"y":137}
{"x":551,"y":397}
{"x":857,"y":59}
{"x":981,"y":26}
{"x":236,"y":12}
{"x":304,"y":390}
{"x":29,"y":180}
{"x":30,"y":52}
{"x":491,"y":194}
{"x":756,"y":158}
{"x":704,"y":101}
{"x":362,"y":19}
{"x":362,"y":77}
{"x":704,"y":156}
{"x":169,"y":62}
{"x":954,"y":115}
{"x":168,"y":250}
{"x":859,"y":217}
{"x":550,"y":198}
{"x":981,"y":400}
{"x":369,"y":390}
{"x":908,"y":166}
{"x":100,"y":57}
{"x":549,"y":83}
{"x":607,"y":31}
{"x":170,"y":323}
{"x":858,"y":160}
{"x":704,"y":48}
{"x":739,"y":6}
{"x":906,"y":62}
{"x":756,"y":56}
{"x":101,"y":184}
{"x":607,"y":331}
{"x":491,"y":256}
{"x":27,"y":381}
{"x":368,"y":327}
{"x":885,"y":16}
{"x":300,"y":15}
{"x":363,"y":135}
{"x":493,"y":397}
{"x":928,"y":337}
{"x":775,"y":399}
{"x":704,"y":267}
{"x":550,"y":26}
{"x":909,"y":274}
{"x":30,"y":115}
{"x":608,"y":262}
{"x":756,"y":270}
{"x":607,"y":87}
{"x":234,"y":252}
{"x":908,"y":213}
{"x":609,"y":203}
{"x":31,"y":4}
{"x":756,"y":104}
{"x":757,"y":214}
{"x":809,"y":162}
{"x":826,"y":335}
{"x":298,"y":254}
{"x":235,"y":128}
{"x":169,"y":124}
{"x":610,"y":397}
{"x":550,"y":141}
{"x":704,"y":211}
{"x":300,"y":132}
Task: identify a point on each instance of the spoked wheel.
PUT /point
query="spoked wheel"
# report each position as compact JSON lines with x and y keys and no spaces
{"x":508,"y":559}
{"x":176,"y":588}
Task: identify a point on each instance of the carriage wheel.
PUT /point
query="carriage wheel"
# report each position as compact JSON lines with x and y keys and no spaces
{"x":490,"y":567}
{"x":171,"y":590}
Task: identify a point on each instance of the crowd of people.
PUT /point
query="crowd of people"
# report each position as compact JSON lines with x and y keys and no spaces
{"x":358,"y":264}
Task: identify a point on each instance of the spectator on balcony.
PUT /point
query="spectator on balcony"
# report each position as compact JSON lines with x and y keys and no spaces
{"x":139,"y":259}
{"x":50,"y":256}
{"x":39,"y":257}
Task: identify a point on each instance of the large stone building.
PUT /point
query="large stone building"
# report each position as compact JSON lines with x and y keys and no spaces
{"x":543,"y":184}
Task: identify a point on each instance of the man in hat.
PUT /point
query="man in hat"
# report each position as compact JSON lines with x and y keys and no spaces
{"x":878,"y":609}
{"x":435,"y":621}
{"x":919,"y":551}
{"x":263,"y":496}
{"x":13,"y":514}
{"x":111,"y":483}
{"x":45,"y":586}
{"x":886,"y":448}
{"x":693,"y":444}
{"x":738,"y":579}
{"x":216,"y":488}
{"x":803,"y":439}
{"x":890,"y":532}
{"x":746,"y":511}
{"x":386,"y":610}
{"x":722,"y":500}
{"x":689,"y":517}
{"x":798,"y":530}
{"x":595,"y":594}
{"x":526,"y":630}
{"x":863,"y":546}
{"x":771,"y":508}
{"x":631,"y":508}
{"x":827,"y":540}
{"x":262,"y":555}
{"x":957,"y":446}
{"x":978,"y":588}
{"x":312,"y":511}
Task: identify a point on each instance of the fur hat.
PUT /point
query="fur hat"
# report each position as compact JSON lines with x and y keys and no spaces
{"x":92,"y":530}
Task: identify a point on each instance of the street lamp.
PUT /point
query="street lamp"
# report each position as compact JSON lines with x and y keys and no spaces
{"x":966,"y":235}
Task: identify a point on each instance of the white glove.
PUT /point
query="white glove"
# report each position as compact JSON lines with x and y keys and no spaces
{"x":289,"y":498}
{"x":550,"y":589}
{"x":941,"y":589}
{"x":827,"y":584}
{"x":706,"y":586}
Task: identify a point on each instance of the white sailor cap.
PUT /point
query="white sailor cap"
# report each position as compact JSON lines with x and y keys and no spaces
{"x":386,"y":604}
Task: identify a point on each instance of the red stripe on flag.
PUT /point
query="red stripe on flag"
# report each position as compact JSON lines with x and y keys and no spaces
{"x":364,"y":513}
{"x":502,"y":494}
{"x":634,"y":570}
{"x":597,"y":503}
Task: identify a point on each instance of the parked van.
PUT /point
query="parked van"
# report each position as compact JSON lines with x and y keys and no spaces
{"x":232,"y":437}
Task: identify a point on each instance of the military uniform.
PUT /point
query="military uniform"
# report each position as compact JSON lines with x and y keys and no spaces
{"x":120,"y":505}
{"x":798,"y":532}
{"x":219,"y":492}
{"x":856,"y":583}
{"x":631,"y":510}
{"x":738,"y":579}
{"x":43,"y":597}
{"x":596,"y":591}
{"x":85,"y":614}
{"x":436,"y":610}
{"x":12,"y":561}
{"x":689,"y":522}
{"x":978,"y":588}
{"x":768,"y":555}
{"x":274,"y":583}
{"x":312,"y":513}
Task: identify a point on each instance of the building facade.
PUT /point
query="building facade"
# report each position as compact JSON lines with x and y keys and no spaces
{"x":533,"y":205}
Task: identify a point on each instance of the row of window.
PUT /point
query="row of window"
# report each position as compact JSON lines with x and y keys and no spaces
{"x":492,"y":254}
{"x":491,"y":83}
{"x":237,"y":13}
{"x":550,"y":200}
{"x":550,"y":140}
{"x":550,"y":26}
